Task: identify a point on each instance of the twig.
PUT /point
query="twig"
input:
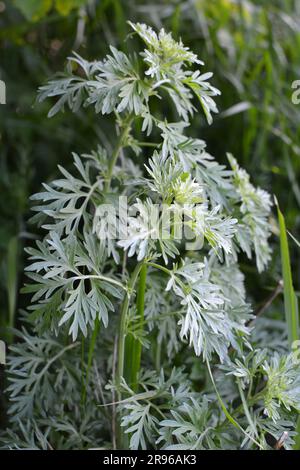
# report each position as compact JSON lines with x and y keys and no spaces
{"x":258,"y":312}
{"x":268,"y":302}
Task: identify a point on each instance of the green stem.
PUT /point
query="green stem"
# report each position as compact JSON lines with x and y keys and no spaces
{"x":122,"y":326}
{"x":135,"y":359}
{"x":115,"y":154}
{"x":122,"y":368}
{"x":114,"y":157}
{"x":246,"y":409}
{"x":149,"y":144}
{"x":161,"y":268}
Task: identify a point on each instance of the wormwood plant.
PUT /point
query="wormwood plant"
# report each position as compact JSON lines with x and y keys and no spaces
{"x":139,"y":334}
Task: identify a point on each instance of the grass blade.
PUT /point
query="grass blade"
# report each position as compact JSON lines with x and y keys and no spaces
{"x":290,"y":299}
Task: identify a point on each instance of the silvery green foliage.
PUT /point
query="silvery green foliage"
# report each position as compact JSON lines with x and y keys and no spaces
{"x":65,"y":201}
{"x":68,"y":279}
{"x":29,"y":436}
{"x":40,"y":368}
{"x":255,"y":209}
{"x":45,"y":380}
{"x":162,"y":311}
{"x":147,"y":234}
{"x":182,"y":192}
{"x":195,"y":300}
{"x":283,"y":385}
{"x":188,"y":420}
{"x":204,"y":321}
{"x":115,"y":83}
{"x":275,"y":407}
{"x":138,"y":420}
{"x":191,"y":426}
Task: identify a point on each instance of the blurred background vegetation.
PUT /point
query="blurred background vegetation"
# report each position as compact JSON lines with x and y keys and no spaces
{"x":251,"y":46}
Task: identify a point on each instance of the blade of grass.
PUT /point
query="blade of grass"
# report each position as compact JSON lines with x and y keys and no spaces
{"x":290,"y":299}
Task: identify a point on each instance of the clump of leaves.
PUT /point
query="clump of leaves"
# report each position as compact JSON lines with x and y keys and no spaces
{"x":169,"y":278}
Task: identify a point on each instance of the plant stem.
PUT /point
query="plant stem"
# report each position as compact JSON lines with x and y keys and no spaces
{"x":121,"y":340}
{"x":149,"y":144}
{"x":114,"y":157}
{"x":122,"y":326}
{"x":115,"y":154}
{"x":246,"y":409}
{"x":121,"y":372}
{"x":136,"y":343}
{"x":161,"y":268}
